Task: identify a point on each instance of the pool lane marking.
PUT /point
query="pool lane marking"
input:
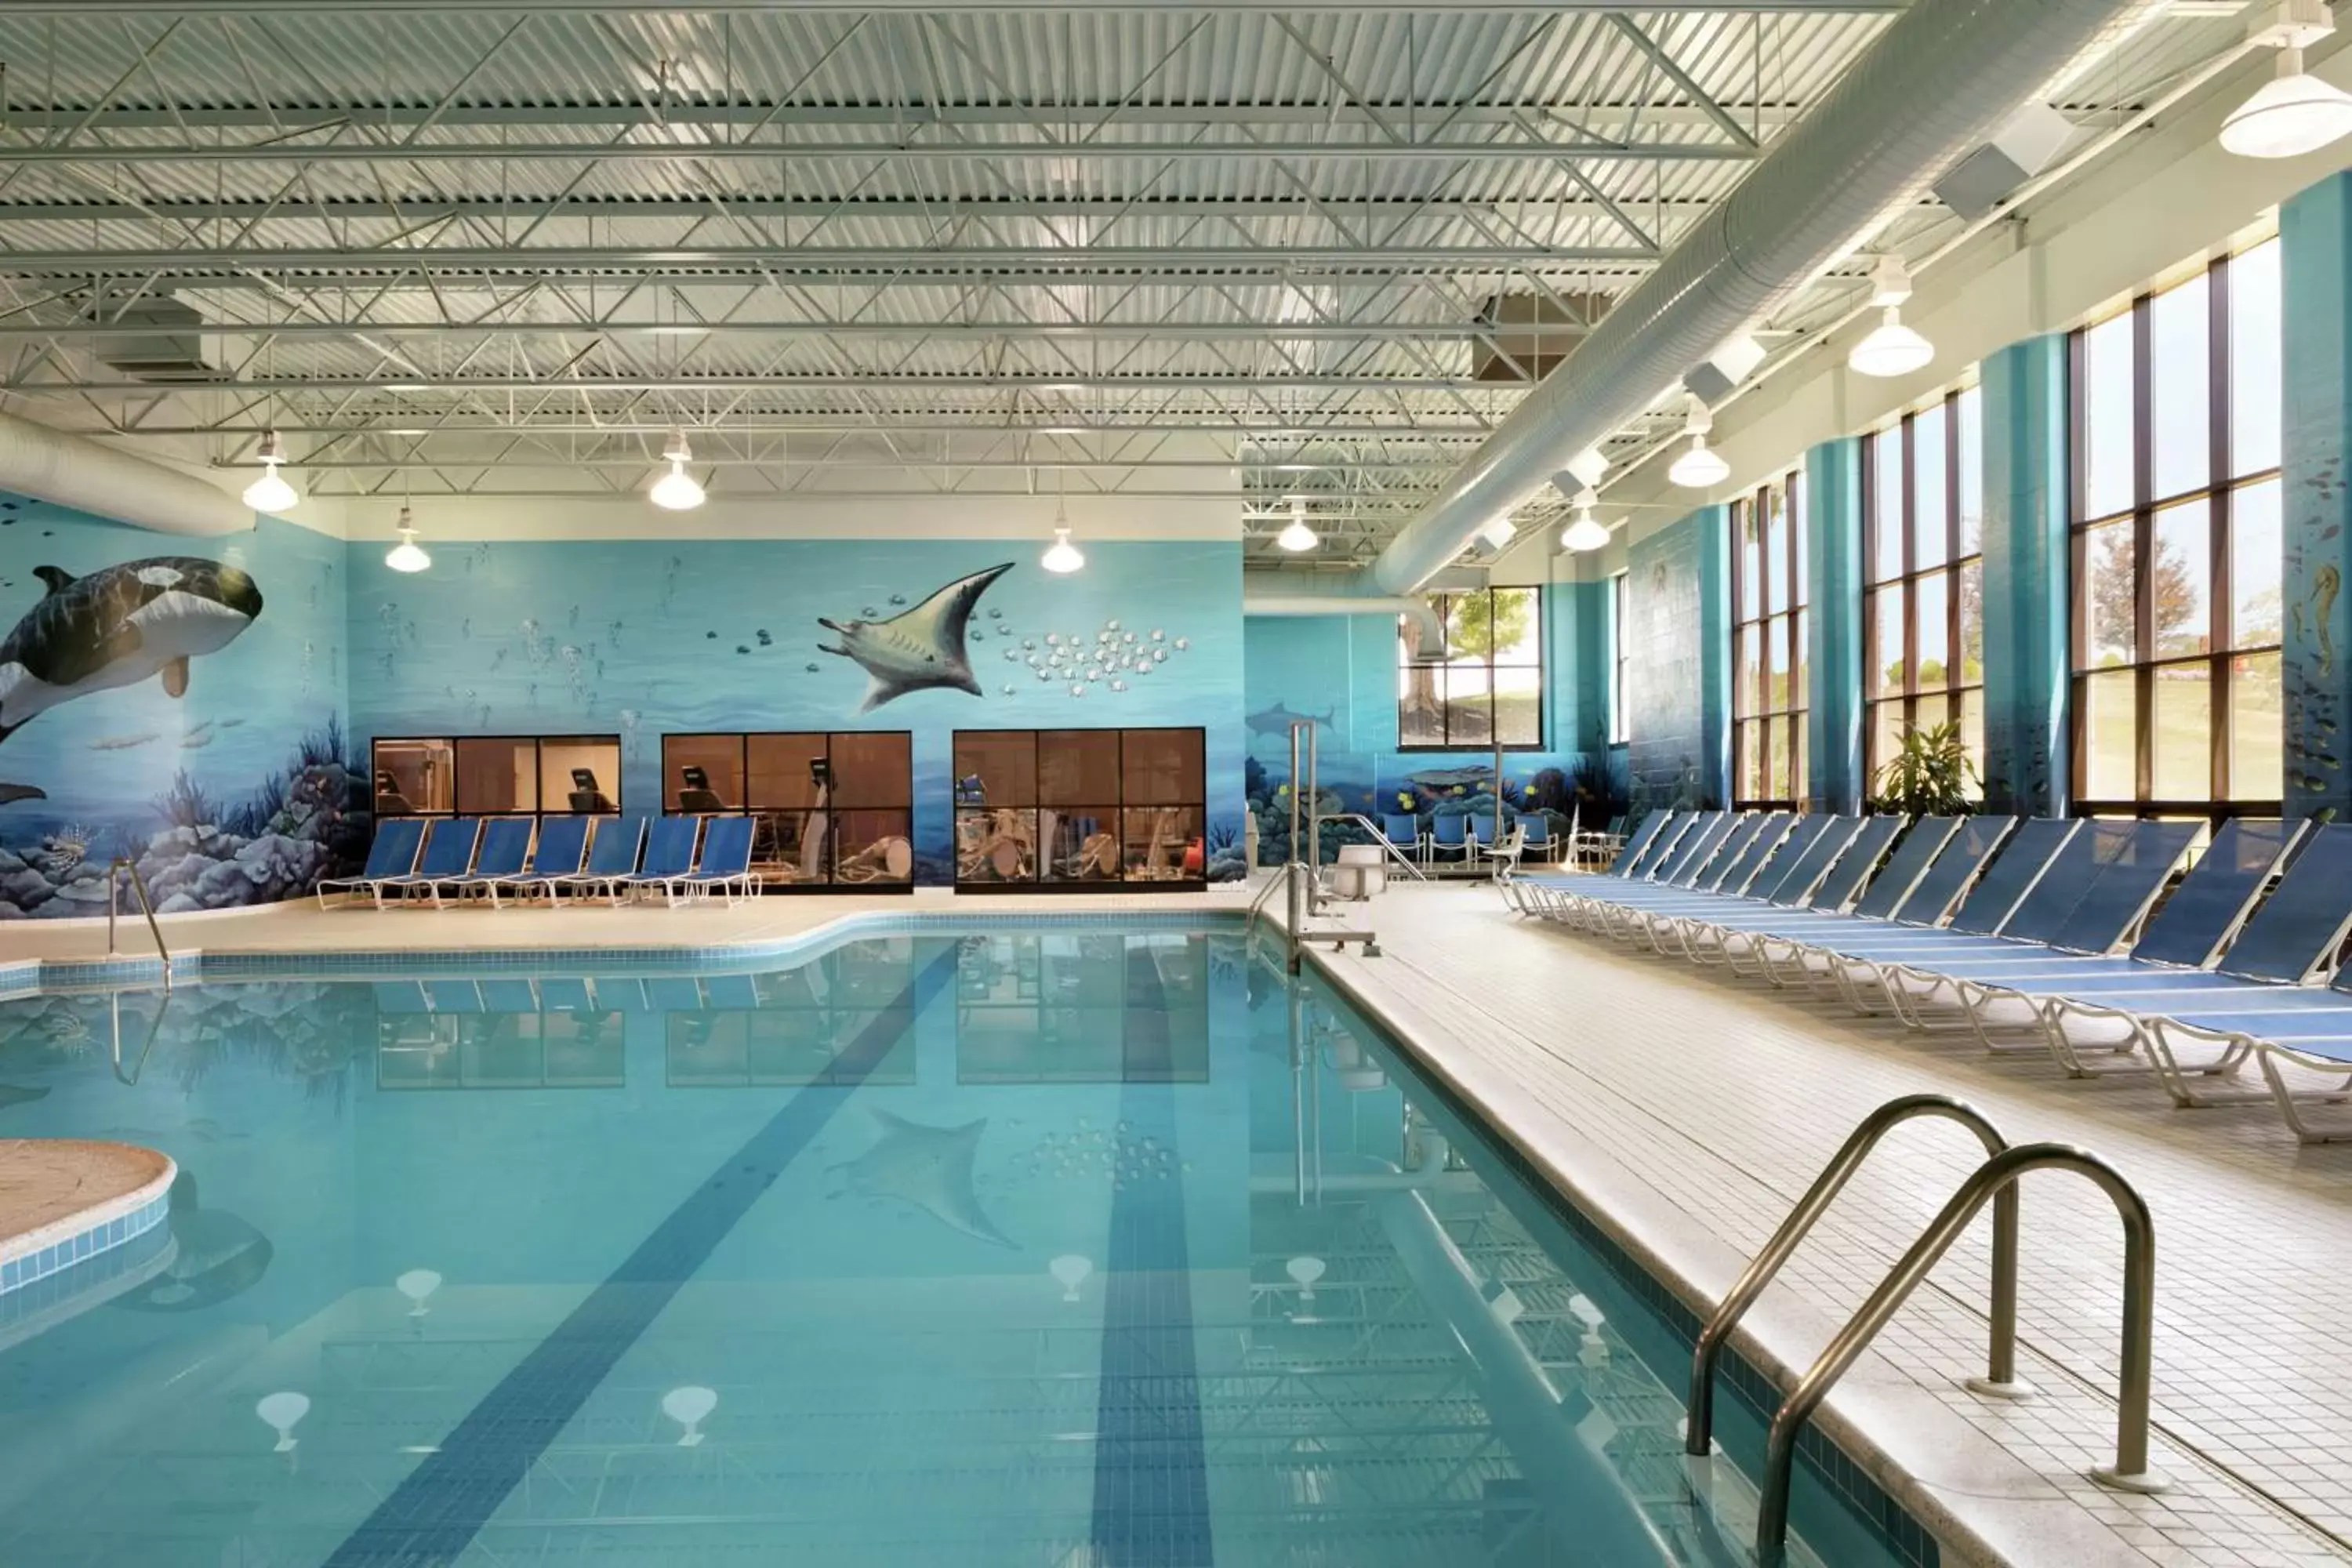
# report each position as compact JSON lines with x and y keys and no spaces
{"x":1151,"y":1487}
{"x":434,"y":1514}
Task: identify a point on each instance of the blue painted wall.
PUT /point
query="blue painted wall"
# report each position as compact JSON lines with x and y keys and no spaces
{"x":640,"y":637}
{"x":2315,"y":247}
{"x":234,"y":791}
{"x":2027,"y":570}
{"x":1666,"y":715}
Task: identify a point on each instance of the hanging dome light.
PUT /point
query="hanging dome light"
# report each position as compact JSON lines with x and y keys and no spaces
{"x":270,"y":493}
{"x":1891,"y":349}
{"x":1062,"y":556}
{"x":1584,"y":533}
{"x":2292,"y":113}
{"x":1298,"y":537}
{"x":675,"y":491}
{"x":408,"y":555}
{"x":1699,"y":468}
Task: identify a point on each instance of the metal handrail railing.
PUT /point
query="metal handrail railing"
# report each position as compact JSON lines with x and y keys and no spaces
{"x":1996,"y":1175}
{"x":113,"y":906}
{"x":1381,"y":838}
{"x":154,"y":1028}
{"x":2000,"y":1374}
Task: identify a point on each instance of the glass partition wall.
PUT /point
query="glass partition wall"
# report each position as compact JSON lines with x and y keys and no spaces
{"x":1077,"y":808}
{"x":496,"y":775}
{"x":834,"y":810}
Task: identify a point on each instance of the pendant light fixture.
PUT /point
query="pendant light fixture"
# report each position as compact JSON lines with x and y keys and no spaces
{"x":270,"y":493}
{"x":677,"y":491}
{"x":2295,"y":112}
{"x":1061,"y":557}
{"x":1298,"y":537}
{"x":1699,"y":468}
{"x":408,"y":555}
{"x":1892,"y":348}
{"x":1584,"y":533}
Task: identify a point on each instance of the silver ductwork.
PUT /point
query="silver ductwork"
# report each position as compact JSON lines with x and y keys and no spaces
{"x":73,"y":470}
{"x":1942,"y":77}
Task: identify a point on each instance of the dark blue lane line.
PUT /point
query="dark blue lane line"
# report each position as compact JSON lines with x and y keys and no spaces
{"x":433,"y":1515}
{"x":1151,"y":1480}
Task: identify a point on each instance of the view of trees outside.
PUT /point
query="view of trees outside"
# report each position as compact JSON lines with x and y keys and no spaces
{"x":1489,"y":686}
{"x":1923,"y":605}
{"x":2163,"y":663}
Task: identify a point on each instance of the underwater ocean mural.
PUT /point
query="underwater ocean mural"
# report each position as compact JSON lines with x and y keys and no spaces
{"x":1340,"y":672}
{"x":182,"y":710}
{"x":644,"y":637}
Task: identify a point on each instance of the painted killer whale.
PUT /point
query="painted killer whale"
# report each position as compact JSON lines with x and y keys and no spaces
{"x":117,"y":627}
{"x":918,"y":650}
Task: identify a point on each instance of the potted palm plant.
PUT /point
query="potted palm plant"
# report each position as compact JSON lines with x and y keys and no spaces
{"x":1930,"y":775}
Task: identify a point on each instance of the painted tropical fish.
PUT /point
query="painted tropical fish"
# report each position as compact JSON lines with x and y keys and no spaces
{"x":918,"y":649}
{"x":117,"y":627}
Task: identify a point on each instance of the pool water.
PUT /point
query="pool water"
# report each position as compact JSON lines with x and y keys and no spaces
{"x":1055,"y":1248}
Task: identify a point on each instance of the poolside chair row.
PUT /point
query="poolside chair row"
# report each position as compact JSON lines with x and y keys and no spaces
{"x":1468,"y":839}
{"x":1999,"y":924}
{"x":456,"y":856}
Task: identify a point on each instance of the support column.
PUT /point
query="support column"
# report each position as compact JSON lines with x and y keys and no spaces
{"x":2026,"y":575}
{"x":1713,"y":526}
{"x":1579,"y":653}
{"x":1833,"y":627}
{"x":2316,"y":255}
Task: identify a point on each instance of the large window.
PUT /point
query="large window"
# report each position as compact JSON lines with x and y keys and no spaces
{"x":2177,"y":547}
{"x":1488,"y":689}
{"x":1768,"y":644}
{"x":1620,"y":607}
{"x":1923,"y":577}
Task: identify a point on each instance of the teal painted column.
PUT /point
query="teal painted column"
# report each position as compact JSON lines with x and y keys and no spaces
{"x":2026,"y":576}
{"x":1578,"y":656}
{"x":2316,"y":256}
{"x":1713,"y":526}
{"x":1834,"y":627}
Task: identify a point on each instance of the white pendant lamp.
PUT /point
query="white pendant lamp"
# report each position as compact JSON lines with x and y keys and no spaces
{"x":270,"y":493}
{"x":1584,"y":533}
{"x":1062,"y":557}
{"x":1298,"y":537}
{"x":1892,"y":348}
{"x":1699,"y":468}
{"x":407,"y":557}
{"x":2292,"y":113}
{"x":675,"y":491}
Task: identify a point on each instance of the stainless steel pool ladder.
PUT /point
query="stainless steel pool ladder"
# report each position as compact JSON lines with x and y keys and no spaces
{"x":1995,"y":1182}
{"x":114,"y":876}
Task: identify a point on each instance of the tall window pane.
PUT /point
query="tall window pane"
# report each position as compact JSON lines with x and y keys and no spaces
{"x":2177,"y":567}
{"x":1488,"y":690}
{"x":1922,"y":609}
{"x":1769,"y":694}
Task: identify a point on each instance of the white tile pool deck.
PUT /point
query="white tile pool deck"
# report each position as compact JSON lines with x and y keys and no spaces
{"x":1693,"y":1108}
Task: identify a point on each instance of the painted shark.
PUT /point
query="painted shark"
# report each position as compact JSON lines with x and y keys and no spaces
{"x":117,"y":627}
{"x":929,"y":1168}
{"x":1278,"y":720}
{"x":917,"y":650}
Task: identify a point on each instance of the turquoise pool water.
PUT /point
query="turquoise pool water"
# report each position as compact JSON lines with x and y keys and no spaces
{"x":1056,"y":1248}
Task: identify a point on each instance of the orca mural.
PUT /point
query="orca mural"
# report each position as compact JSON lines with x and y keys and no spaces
{"x":184,"y":712}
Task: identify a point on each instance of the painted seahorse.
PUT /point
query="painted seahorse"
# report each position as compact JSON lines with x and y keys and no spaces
{"x":2327,"y":583}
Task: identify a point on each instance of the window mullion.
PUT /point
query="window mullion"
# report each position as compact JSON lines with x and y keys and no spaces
{"x":2143,"y":550}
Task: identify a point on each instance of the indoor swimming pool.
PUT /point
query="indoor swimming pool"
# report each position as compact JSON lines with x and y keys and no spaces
{"x":1050,"y":1248}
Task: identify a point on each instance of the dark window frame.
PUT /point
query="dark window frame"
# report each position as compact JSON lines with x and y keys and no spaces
{"x":1788,"y":624}
{"x":2218,"y":490}
{"x":1905,"y":584}
{"x":1621,"y":602}
{"x":1408,"y":659}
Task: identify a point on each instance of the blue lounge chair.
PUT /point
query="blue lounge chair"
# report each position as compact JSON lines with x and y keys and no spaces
{"x":1536,"y":841}
{"x":394,"y":854}
{"x":726,"y":862}
{"x":504,"y":850}
{"x":563,"y":849}
{"x":448,"y":852}
{"x":1648,"y":849}
{"x":1447,"y":836}
{"x":1736,"y":870}
{"x":611,"y":859}
{"x":1401,"y":833}
{"x":669,"y":854}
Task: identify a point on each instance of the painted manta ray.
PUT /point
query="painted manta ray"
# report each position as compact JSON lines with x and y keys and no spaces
{"x":918,"y":649}
{"x":928,"y":1168}
{"x":117,"y":626}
